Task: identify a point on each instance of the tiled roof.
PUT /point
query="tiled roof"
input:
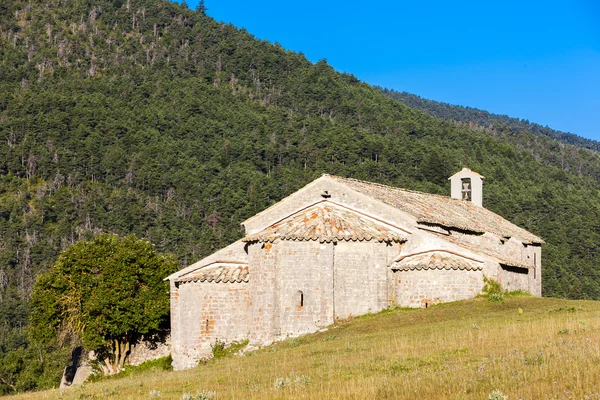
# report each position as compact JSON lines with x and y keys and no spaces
{"x":499,"y":256}
{"x":220,"y":274}
{"x":435,"y":260}
{"x":441,"y":210}
{"x":327,"y":223}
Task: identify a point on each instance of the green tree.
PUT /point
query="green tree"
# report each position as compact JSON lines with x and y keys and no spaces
{"x":106,"y":293}
{"x":201,"y":8}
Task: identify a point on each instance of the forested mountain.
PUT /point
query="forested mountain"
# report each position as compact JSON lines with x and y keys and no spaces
{"x":146,"y":117}
{"x":480,"y":119}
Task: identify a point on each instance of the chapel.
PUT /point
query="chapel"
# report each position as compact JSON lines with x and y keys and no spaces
{"x":342,"y":247}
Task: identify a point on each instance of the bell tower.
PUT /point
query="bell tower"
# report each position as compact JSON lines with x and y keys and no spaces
{"x":467,"y":185}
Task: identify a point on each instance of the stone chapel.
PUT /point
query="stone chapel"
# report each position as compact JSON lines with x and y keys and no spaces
{"x":342,"y":247}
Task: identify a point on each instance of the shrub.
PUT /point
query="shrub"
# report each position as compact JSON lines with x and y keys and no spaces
{"x":208,"y":395}
{"x":497,"y":395}
{"x":220,"y":349}
{"x":491,"y":287}
{"x":492,"y":290}
{"x":496,"y":296}
{"x":280,"y":383}
{"x":296,"y":380}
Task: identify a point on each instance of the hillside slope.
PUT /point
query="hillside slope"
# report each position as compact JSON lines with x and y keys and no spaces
{"x":146,"y":117}
{"x":481,"y":119}
{"x":462,"y":350}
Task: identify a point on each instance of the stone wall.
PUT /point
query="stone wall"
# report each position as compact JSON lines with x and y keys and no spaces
{"x":305,"y":286}
{"x":300,"y":286}
{"x":535,"y":275}
{"x":513,"y":278}
{"x":206,"y":313}
{"x":150,"y":348}
{"x":263,"y":286}
{"x":426,"y":287}
{"x":361,"y":270}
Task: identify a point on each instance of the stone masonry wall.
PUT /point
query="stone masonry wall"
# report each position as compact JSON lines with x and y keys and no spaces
{"x":150,"y":348}
{"x":360,"y":278}
{"x":514,"y":278}
{"x":300,"y":286}
{"x":208,"y":312}
{"x":176,"y":348}
{"x":305,"y":286}
{"x":263,"y":286}
{"x":426,"y":287}
{"x":535,"y":275}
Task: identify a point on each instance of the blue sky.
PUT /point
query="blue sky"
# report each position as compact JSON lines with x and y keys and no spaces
{"x":536,"y":60}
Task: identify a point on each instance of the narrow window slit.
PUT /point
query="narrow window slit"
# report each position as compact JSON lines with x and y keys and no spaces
{"x":300,"y":299}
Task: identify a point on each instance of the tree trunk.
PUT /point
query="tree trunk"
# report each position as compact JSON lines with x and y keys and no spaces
{"x":125,"y":347}
{"x":120,"y":353}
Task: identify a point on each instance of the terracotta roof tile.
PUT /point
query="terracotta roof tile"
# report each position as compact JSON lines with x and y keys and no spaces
{"x":497,"y":255}
{"x":219,"y":274}
{"x":441,"y":210}
{"x":326,"y":223}
{"x":435,"y":260}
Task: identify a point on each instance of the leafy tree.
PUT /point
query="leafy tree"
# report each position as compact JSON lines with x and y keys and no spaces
{"x":107,"y":293}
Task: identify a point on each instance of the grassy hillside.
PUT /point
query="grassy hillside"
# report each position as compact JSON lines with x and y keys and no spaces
{"x":462,"y":350}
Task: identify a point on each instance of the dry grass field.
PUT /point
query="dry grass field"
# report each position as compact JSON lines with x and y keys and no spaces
{"x":523,"y":348}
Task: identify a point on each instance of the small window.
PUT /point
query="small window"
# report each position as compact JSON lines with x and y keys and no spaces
{"x":300,"y":299}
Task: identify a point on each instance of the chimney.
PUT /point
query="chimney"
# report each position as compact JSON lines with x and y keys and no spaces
{"x":467,"y":185}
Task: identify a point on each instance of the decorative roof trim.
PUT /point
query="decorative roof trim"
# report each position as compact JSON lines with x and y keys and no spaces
{"x":429,"y":268}
{"x":435,"y":261}
{"x":211,"y":264}
{"x":320,"y":201}
{"x":487,"y":254}
{"x":384,"y":239}
{"x":219,"y":274}
{"x":403,"y":256}
{"x":328,"y":238}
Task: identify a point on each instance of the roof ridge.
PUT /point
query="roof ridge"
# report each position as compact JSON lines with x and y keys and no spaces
{"x":396,"y":188}
{"x":448,"y":211}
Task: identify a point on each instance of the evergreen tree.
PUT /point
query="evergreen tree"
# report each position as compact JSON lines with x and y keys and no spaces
{"x":201,"y":8}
